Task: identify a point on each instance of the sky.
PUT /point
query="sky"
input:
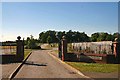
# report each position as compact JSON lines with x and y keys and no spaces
{"x":30,"y":18}
{"x":60,"y":0}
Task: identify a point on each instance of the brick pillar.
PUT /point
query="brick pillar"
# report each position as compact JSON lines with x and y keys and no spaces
{"x":20,"y":49}
{"x":116,"y":50}
{"x":64,"y":48}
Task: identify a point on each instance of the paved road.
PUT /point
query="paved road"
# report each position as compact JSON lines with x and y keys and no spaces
{"x":41,"y":65}
{"x":7,"y":69}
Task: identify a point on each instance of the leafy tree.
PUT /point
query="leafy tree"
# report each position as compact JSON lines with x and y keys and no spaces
{"x":116,"y":35}
{"x":109,"y":37}
{"x":49,"y":39}
{"x":84,"y":37}
{"x":103,"y":36}
{"x":70,"y":36}
{"x":26,"y":41}
{"x":32,"y":43}
{"x":94,"y":37}
{"x":75,"y":36}
{"x":60,"y":34}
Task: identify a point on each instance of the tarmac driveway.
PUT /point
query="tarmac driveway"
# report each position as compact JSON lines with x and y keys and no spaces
{"x":41,"y":65}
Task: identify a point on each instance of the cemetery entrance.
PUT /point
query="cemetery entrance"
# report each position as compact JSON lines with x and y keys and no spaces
{"x":102,"y":52}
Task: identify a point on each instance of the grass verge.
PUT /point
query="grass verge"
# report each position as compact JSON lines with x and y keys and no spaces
{"x":51,"y":46}
{"x":56,"y":51}
{"x":26,"y":52}
{"x":94,"y":67}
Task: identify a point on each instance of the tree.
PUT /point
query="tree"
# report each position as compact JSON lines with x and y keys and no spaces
{"x":49,"y":39}
{"x":75,"y":36}
{"x":44,"y":36}
{"x":70,"y":36}
{"x":94,"y":37}
{"x":32,"y":43}
{"x":84,"y":37}
{"x":101,"y":36}
{"x":40,"y":37}
{"x":116,"y":35}
{"x":109,"y":37}
{"x":26,"y":41}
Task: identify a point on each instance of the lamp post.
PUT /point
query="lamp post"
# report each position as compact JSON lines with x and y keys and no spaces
{"x":59,"y":46}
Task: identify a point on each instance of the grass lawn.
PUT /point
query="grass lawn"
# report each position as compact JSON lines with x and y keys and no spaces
{"x":26,"y":52}
{"x":51,"y":46}
{"x":56,"y":51}
{"x":94,"y":67}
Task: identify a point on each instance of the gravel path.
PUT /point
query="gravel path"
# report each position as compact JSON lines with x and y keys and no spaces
{"x":41,"y":65}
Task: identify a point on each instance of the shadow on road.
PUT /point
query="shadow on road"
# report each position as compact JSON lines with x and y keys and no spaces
{"x":35,"y":64}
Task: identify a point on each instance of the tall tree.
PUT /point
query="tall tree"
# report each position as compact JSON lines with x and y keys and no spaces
{"x":31,"y":43}
{"x":49,"y":39}
{"x":94,"y":37}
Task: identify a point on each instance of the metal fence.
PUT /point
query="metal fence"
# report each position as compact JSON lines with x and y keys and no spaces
{"x":104,"y":47}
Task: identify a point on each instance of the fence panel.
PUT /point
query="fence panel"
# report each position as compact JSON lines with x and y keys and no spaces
{"x":104,"y":47}
{"x":8,"y":50}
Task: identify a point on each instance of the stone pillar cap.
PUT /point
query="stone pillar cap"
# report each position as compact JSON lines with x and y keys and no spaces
{"x":18,"y":37}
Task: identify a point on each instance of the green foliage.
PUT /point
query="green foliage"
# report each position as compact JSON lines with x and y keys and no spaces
{"x":50,"y":36}
{"x":26,"y":52}
{"x":8,"y":43}
{"x":75,"y":36}
{"x":104,"y":36}
{"x":31,"y":43}
{"x":49,"y":39}
{"x":94,"y":37}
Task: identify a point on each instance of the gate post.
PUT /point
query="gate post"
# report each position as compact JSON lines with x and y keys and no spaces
{"x":59,"y":50}
{"x":116,"y":50}
{"x":64,"y":48}
{"x":20,"y":49}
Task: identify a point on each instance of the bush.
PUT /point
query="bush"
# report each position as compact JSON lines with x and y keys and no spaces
{"x":32,"y":44}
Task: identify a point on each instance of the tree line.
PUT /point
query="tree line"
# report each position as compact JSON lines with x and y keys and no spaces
{"x":75,"y":36}
{"x":8,"y":43}
{"x":71,"y":36}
